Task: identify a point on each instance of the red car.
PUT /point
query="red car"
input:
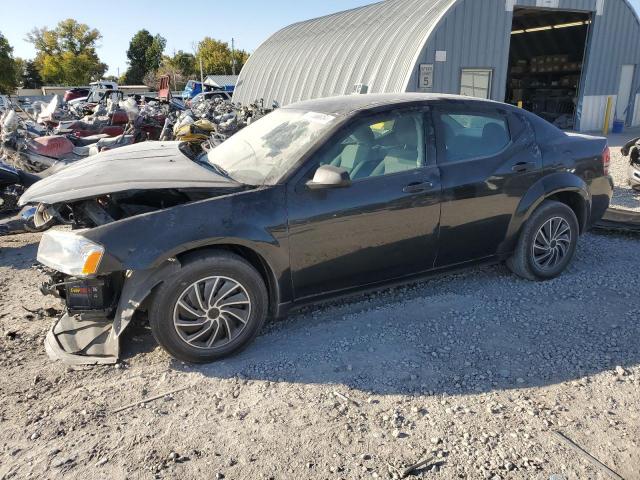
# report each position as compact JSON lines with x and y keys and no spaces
{"x":74,"y":93}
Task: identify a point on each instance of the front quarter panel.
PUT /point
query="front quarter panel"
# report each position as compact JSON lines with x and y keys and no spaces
{"x":255,"y":219}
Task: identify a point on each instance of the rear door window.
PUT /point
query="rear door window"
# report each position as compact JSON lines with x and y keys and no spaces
{"x":473,"y":135}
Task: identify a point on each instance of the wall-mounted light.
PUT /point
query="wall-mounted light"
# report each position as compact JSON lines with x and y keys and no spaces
{"x":515,"y":32}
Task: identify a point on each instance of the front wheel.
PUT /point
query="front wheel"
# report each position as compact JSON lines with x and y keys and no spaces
{"x":213,"y":308}
{"x":547,"y":242}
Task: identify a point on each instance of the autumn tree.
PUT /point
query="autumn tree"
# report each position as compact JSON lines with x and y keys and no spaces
{"x":67,"y":54}
{"x":217,"y":58}
{"x":145,"y":56}
{"x":8,"y":81}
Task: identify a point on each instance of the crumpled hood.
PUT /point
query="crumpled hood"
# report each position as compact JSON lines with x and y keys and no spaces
{"x":143,"y":166}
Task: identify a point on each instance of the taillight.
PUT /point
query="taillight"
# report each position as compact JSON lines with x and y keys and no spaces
{"x":606,"y":160}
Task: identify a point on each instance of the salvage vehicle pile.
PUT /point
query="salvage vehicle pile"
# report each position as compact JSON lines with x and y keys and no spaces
{"x":57,"y":134}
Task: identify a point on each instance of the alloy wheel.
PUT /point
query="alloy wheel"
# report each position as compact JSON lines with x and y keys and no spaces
{"x":551,"y":243}
{"x":212,"y":312}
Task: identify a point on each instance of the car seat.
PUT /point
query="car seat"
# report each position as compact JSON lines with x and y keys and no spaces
{"x":405,"y":155}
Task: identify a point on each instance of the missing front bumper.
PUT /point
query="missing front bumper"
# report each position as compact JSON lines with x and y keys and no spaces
{"x":84,"y":339}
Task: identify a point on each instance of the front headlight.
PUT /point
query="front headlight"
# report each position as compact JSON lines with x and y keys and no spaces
{"x":70,"y":253}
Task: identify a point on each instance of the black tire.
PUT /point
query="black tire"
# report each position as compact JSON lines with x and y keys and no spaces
{"x":524,"y":263}
{"x":205,"y":267}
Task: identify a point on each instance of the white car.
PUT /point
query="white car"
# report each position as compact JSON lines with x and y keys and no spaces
{"x":95,"y":92}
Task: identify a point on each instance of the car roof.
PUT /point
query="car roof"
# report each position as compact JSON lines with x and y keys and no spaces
{"x":347,"y":104}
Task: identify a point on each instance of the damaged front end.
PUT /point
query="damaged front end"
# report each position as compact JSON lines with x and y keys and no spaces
{"x":98,"y":310}
{"x":632,"y":150}
{"x":100,"y":292}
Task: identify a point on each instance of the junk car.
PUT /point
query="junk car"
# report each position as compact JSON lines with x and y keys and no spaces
{"x":318,"y":199}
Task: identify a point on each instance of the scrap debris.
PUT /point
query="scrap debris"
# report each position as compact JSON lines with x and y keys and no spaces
{"x":411,"y":469}
{"x":150,"y":399}
{"x":590,"y":458}
{"x":346,"y":399}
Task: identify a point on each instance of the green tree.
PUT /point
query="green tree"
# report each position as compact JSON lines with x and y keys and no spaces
{"x":180,"y":67}
{"x":184,"y":62}
{"x":20,"y":66}
{"x":31,"y":76}
{"x":145,"y":56}
{"x":8,"y":81}
{"x":217,"y":58}
{"x":67,"y":54}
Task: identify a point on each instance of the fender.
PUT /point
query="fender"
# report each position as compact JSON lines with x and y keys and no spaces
{"x":544,"y":188}
{"x":145,"y":242}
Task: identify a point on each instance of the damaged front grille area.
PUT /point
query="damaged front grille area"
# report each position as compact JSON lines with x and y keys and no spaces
{"x":110,"y":208}
{"x":84,"y":333}
{"x":81,"y":295}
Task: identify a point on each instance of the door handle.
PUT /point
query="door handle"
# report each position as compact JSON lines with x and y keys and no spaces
{"x":523,"y":167}
{"x":417,"y":187}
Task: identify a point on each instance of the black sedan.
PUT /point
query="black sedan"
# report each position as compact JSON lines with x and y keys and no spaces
{"x":318,"y":199}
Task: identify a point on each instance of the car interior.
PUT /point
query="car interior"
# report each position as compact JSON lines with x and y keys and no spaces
{"x":380,"y":147}
{"x":395,"y":144}
{"x":473,"y":136}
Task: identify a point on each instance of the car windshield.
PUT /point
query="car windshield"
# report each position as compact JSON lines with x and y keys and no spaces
{"x":263,"y":152}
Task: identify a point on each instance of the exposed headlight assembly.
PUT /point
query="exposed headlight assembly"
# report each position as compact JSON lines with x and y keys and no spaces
{"x":70,"y":253}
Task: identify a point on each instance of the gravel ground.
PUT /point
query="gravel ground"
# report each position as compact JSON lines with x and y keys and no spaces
{"x":473,"y":371}
{"x":623,"y":196}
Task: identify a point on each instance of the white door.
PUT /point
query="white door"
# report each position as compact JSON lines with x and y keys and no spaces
{"x":624,"y":92}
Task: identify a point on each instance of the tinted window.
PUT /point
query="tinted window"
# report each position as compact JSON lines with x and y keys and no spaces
{"x":382,"y":145}
{"x":471,"y":135}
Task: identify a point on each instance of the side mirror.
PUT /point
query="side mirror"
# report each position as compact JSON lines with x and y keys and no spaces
{"x":328,"y":176}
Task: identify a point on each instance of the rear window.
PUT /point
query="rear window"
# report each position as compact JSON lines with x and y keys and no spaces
{"x":545,"y":132}
{"x":470,"y":135}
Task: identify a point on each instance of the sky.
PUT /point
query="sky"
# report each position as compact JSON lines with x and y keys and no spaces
{"x":249,"y":22}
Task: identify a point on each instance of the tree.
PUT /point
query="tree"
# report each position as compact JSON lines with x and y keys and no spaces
{"x":184,"y":62}
{"x":8,"y":81}
{"x":145,"y":55}
{"x":180,"y":67}
{"x":19,"y":69}
{"x":67,"y":54}
{"x":31,"y":77}
{"x":217,"y":58}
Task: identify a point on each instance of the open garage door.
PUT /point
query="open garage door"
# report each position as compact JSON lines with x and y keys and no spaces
{"x":546,"y":59}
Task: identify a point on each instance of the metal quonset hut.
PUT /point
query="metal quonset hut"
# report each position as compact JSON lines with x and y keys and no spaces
{"x":560,"y":58}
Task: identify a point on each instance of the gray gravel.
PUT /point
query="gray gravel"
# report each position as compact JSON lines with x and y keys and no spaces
{"x":623,"y":196}
{"x":473,"y":370}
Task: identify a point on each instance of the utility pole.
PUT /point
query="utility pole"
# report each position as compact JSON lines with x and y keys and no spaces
{"x":201,"y":73}
{"x":233,"y":56}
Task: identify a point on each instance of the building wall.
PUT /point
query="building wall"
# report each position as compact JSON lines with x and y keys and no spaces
{"x":478,"y":33}
{"x":474,"y":34}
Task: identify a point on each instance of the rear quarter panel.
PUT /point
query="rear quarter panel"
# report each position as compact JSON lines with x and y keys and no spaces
{"x":581,"y":155}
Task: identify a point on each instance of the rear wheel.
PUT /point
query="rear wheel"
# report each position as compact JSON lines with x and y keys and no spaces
{"x":213,"y":308}
{"x":547,"y":242}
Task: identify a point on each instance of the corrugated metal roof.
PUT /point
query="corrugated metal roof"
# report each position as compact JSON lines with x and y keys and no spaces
{"x":376,"y":45}
{"x":221,"y":80}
